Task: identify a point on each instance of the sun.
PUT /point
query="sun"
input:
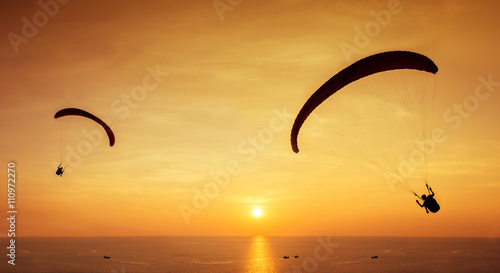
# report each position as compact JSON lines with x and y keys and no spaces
{"x":257,"y":212}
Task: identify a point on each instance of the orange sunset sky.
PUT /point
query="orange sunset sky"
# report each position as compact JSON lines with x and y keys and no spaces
{"x":219,"y":78}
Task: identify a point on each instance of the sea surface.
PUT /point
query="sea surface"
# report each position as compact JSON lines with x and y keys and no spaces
{"x":253,"y":254}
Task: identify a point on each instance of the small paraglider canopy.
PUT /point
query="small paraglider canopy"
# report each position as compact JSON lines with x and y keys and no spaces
{"x":82,"y":113}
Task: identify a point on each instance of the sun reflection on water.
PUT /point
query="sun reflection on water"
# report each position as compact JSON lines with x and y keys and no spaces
{"x":259,"y":256}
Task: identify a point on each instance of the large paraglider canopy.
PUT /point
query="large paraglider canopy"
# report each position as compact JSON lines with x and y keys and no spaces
{"x":375,"y":112}
{"x":370,"y":65}
{"x":82,"y":113}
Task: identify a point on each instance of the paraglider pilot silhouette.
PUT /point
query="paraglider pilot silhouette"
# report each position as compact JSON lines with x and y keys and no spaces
{"x":430,"y":204}
{"x":60,"y":170}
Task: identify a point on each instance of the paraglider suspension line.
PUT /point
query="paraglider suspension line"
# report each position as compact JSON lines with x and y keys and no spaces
{"x":417,"y":196}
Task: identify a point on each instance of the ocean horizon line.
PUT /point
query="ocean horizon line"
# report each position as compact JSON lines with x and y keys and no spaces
{"x":246,"y":236}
